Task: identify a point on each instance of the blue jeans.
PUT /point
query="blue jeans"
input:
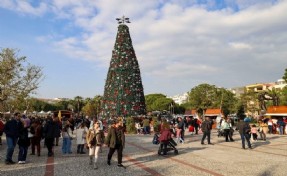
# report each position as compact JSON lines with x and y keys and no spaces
{"x":146,"y":130}
{"x":66,"y":146}
{"x":281,"y":130}
{"x":22,"y":153}
{"x":243,"y":137}
{"x":11,"y":143}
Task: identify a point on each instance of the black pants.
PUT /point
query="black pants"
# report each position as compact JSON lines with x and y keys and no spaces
{"x":119,"y":149}
{"x":49,"y":143}
{"x":35,"y":142}
{"x":226,"y":134}
{"x":182,"y":134}
{"x":80,"y":148}
{"x":163,"y":147}
{"x":207,"y":133}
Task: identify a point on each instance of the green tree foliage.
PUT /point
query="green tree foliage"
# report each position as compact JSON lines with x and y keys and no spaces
{"x":228,"y":102}
{"x":130,"y":125}
{"x":158,"y":102}
{"x":18,"y":78}
{"x":240,"y":111}
{"x":206,"y":96}
{"x":249,"y":101}
{"x":283,"y":97}
{"x":150,"y":99}
{"x":78,"y":103}
{"x":285,"y":75}
{"x":202,"y":97}
{"x":123,"y":94}
{"x":92,"y":107}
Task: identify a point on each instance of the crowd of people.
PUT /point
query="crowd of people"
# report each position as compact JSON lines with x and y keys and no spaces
{"x":87,"y":133}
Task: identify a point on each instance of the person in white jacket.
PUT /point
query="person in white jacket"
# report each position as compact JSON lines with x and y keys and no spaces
{"x":81,"y":133}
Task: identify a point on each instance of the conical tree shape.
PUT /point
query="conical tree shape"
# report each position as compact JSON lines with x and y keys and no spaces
{"x":123,"y":95}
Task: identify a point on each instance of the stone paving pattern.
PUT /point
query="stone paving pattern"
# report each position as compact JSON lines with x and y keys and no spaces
{"x":268,"y":158}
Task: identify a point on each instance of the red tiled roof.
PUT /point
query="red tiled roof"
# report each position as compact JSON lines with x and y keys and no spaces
{"x":212,"y":111}
{"x":277,"y":109}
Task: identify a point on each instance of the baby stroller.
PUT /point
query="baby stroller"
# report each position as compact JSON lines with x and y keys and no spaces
{"x":220,"y":132}
{"x":170,"y":145}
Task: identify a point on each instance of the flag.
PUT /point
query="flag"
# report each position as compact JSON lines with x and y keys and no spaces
{"x":60,"y":115}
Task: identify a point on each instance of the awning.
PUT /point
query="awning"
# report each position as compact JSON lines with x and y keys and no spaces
{"x":275,"y":114}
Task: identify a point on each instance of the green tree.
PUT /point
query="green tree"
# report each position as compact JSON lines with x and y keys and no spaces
{"x":92,"y":107}
{"x":78,"y":102}
{"x":202,"y":97}
{"x":159,"y":102}
{"x":18,"y":78}
{"x":285,"y":75}
{"x":228,"y":102}
{"x":283,"y":97}
{"x":150,"y":99}
{"x":250,"y":101}
{"x":123,"y":94}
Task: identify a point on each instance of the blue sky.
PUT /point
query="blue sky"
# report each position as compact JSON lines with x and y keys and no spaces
{"x":179,"y":43}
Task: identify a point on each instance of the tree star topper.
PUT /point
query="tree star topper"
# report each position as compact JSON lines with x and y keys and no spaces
{"x":123,"y":20}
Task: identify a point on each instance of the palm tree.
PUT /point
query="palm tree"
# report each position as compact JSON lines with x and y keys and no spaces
{"x":78,"y":100}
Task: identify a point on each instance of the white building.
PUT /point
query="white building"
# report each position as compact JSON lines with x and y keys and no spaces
{"x":180,"y":99}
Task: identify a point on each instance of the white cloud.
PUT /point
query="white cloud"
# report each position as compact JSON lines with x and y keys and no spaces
{"x":24,"y":7}
{"x":240,"y":45}
{"x":180,"y":40}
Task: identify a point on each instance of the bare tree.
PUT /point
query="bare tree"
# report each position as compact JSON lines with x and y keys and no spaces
{"x":18,"y":78}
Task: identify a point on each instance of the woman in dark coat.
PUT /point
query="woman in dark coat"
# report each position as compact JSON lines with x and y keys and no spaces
{"x":23,"y":142}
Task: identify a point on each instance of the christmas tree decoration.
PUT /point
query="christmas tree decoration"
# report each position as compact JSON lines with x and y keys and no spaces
{"x":123,"y":93}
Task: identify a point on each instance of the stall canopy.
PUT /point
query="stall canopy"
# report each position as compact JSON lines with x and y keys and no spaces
{"x":276,"y":111}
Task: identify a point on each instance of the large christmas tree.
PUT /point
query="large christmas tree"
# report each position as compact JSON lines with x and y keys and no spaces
{"x":123,"y":95}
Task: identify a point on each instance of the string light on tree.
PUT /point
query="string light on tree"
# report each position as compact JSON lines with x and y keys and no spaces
{"x":123,"y":95}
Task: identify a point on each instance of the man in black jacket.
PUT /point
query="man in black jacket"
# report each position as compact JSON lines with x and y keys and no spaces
{"x":206,"y":127}
{"x":115,"y":140}
{"x":49,"y":134}
{"x":11,"y":129}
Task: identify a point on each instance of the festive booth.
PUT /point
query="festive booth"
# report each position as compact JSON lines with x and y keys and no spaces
{"x":213,"y":114}
{"x":276,"y":112}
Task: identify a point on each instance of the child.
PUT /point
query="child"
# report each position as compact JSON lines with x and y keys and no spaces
{"x":191,"y":129}
{"x":254,"y":132}
{"x":178,"y":135}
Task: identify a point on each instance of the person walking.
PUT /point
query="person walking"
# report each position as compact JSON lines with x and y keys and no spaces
{"x":115,"y":140}
{"x":49,"y":134}
{"x":12,"y":131}
{"x":206,"y":127}
{"x":146,"y":126}
{"x":244,"y":130}
{"x":95,"y":139}
{"x":37,"y":136}
{"x":81,"y":133}
{"x":67,"y":138}
{"x":24,"y":141}
{"x":58,"y":128}
{"x":181,"y":126}
{"x":263,"y":129}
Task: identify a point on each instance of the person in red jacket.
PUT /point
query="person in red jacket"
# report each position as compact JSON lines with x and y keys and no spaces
{"x":165,"y":136}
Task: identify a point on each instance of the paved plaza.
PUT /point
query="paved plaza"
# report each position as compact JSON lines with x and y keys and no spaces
{"x":141,"y":158}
